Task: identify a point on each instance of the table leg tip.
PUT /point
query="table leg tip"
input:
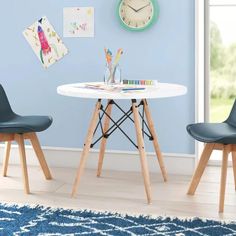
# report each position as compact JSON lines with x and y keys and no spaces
{"x":49,"y":178}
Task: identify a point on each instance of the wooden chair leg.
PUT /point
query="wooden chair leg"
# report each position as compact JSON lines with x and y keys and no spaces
{"x":39,"y":153}
{"x":155,"y":140}
{"x":86,"y":148}
{"x":6,"y":158}
{"x":200,"y":168}
{"x":20,"y":140}
{"x":104,"y":140}
{"x":143,"y":158}
{"x":223,"y":179}
{"x":234,"y":167}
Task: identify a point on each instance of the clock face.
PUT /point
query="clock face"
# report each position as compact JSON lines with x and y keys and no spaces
{"x":137,"y":14}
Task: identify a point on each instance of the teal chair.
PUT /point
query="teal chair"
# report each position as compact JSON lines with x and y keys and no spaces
{"x":216,"y":136}
{"x":17,"y":128}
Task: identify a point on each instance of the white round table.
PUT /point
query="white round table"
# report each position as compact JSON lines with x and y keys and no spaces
{"x":102,"y":117}
{"x":82,"y":90}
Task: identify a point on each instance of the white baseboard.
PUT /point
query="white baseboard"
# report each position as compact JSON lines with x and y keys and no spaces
{"x":114,"y":160}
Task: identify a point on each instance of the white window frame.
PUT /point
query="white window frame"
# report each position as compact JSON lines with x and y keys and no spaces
{"x":201,"y":65}
{"x":201,"y":60}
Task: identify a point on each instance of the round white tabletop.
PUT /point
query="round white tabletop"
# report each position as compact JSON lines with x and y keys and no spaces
{"x":98,"y":90}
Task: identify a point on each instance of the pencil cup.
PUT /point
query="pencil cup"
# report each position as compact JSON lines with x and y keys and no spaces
{"x":112,"y":74}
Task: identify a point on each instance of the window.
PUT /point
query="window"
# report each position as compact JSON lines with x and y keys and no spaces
{"x":222,"y":59}
{"x":222,"y":74}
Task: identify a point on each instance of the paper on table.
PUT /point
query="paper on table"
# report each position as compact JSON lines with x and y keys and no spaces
{"x":112,"y":88}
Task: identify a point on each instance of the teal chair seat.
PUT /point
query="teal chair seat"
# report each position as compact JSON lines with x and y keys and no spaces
{"x":25,"y":124}
{"x":213,"y":132}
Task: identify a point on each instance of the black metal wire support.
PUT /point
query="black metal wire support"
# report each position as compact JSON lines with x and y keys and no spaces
{"x":117,"y":124}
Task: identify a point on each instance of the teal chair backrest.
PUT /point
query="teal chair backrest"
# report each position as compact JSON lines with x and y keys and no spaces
{"x":5,"y":109}
{"x":232,"y":116}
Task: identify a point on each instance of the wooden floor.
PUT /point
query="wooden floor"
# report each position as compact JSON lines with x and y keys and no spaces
{"x":122,"y":192}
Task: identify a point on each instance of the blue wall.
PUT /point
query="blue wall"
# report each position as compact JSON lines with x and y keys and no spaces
{"x":164,"y":52}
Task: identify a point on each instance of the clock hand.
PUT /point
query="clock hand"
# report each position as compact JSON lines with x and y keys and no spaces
{"x":132,"y":8}
{"x":142,"y":7}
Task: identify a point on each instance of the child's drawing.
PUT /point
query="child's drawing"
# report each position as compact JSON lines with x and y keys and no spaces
{"x":45,"y":42}
{"x":79,"y":22}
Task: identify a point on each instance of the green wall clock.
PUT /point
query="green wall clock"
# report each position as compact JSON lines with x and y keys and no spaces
{"x":137,"y":15}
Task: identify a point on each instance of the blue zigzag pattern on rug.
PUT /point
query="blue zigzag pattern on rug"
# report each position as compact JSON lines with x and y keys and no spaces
{"x":26,"y":220}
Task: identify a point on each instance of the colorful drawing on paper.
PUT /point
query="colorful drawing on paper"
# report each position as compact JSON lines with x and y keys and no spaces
{"x":78,"y":22}
{"x":45,"y":42}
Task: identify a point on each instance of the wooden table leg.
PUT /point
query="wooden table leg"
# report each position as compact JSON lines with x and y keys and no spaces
{"x":20,"y":140}
{"x":6,"y":158}
{"x":234,"y":166}
{"x":200,"y":168}
{"x":223,"y":179}
{"x":104,"y":140}
{"x":143,"y":158}
{"x":39,"y":153}
{"x":86,"y":148}
{"x":155,"y":139}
